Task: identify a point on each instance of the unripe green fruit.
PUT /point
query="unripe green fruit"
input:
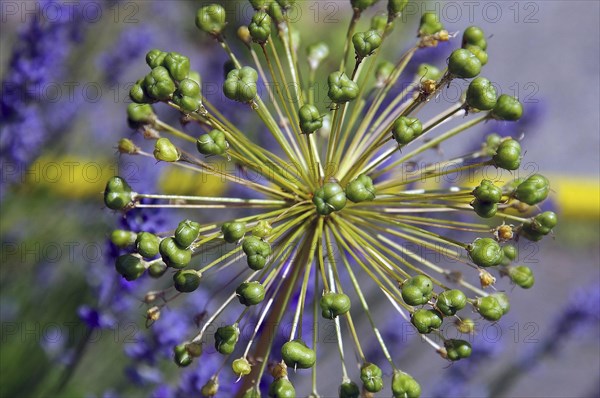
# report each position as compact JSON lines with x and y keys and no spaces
{"x":140,"y":113}
{"x":485,"y":252}
{"x":481,"y":94}
{"x":329,"y":198}
{"x":341,"y":88}
{"x":262,"y":229}
{"x":117,"y":194}
{"x":174,"y":255}
{"x":186,"y":281}
{"x":395,"y":7}
{"x":147,"y":244}
{"x":211,"y":19}
{"x":457,"y":349}
{"x":186,"y":233}
{"x":450,"y":302}
{"x":484,"y":209}
{"x":240,"y":84}
{"x":130,"y":267}
{"x":282,"y":388}
{"x":522,"y":276}
{"x":360,"y":189}
{"x":212,"y":143}
{"x":489,"y":308}
{"x":158,"y":84}
{"x":310,"y":119}
{"x":533,"y":190}
{"x":481,"y":55}
{"x":122,"y":238}
{"x":260,"y":27}
{"x":371,"y":376}
{"x":296,"y":354}
{"x":188,"y":96}
{"x":155,"y":58}
{"x":210,"y":388}
{"x":250,"y":293}
{"x":362,"y":4}
{"x":486,"y":191}
{"x":464,"y":64}
{"x":257,"y":252}
{"x":241,"y":367}
{"x":430,"y":24}
{"x":226,"y":338}
{"x":178,"y":65}
{"x":541,"y":225}
{"x":157,"y":269}
{"x":334,"y":304}
{"x":507,"y":108}
{"x":406,"y":129}
{"x":508,"y":155}
{"x":405,"y":386}
{"x":233,"y":231}
{"x":429,"y":72}
{"x":474,"y":35}
{"x":165,"y":150}
{"x":425,"y":321}
{"x":349,"y":389}
{"x":366,"y":42}
{"x":181,"y":356}
{"x":417,"y":290}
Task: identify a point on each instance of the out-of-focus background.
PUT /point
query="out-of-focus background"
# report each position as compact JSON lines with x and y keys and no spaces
{"x":66,"y":69}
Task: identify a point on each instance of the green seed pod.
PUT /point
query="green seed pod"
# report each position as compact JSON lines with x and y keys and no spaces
{"x":457,"y":349}
{"x":539,"y":226}
{"x":250,"y":293}
{"x":130,"y":267}
{"x":122,"y":238}
{"x":211,"y":19}
{"x":296,"y":354}
{"x":125,"y":145}
{"x":226,"y":338}
{"x":213,"y":143}
{"x":186,"y":281}
{"x":489,"y":308}
{"x":174,"y":255}
{"x":417,"y":290}
{"x":147,"y":244}
{"x":186,"y":233}
{"x":349,"y":389}
{"x":181,"y":356}
{"x":395,"y":7}
{"x":155,"y":58}
{"x":138,"y":94}
{"x":341,"y":88}
{"x":425,"y":321}
{"x":481,"y":94}
{"x":510,"y":252}
{"x":260,"y":27}
{"x":508,"y":155}
{"x":485,"y":252}
{"x":241,"y":367}
{"x":211,"y":388}
{"x":379,"y":23}
{"x":157,"y":269}
{"x":371,"y":376}
{"x":464,"y":64}
{"x":405,"y":386}
{"x":233,"y":231}
{"x":275,"y":12}
{"x":187,"y":96}
{"x":258,"y":4}
{"x":252,"y":392}
{"x":140,"y":114}
{"x":329,"y":198}
{"x":360,"y":189}
{"x":486,"y":191}
{"x":334,"y":304}
{"x":310,"y":119}
{"x":317,"y":53}
{"x":429,"y":72}
{"x":240,"y":84}
{"x":507,"y":108}
{"x":383,"y":71}
{"x":158,"y":84}
{"x":165,"y":150}
{"x":430,"y":24}
{"x":406,"y":129}
{"x":475,"y":36}
{"x":117,"y":194}
{"x":195,"y":76}
{"x":282,"y":388}
{"x":533,"y":190}
{"x":366,"y":42}
{"x":257,"y":251}
{"x":484,"y":209}
{"x":450,"y":302}
{"x":481,"y":55}
{"x":522,"y":276}
{"x":502,"y":300}
{"x":178,"y":65}
{"x":262,"y":229}
{"x":492,"y":142}
{"x":362,"y":4}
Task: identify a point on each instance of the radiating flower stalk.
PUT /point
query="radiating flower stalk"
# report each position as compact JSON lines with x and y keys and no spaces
{"x":335,"y":203}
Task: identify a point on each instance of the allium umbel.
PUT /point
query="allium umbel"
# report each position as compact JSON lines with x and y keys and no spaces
{"x":332,"y":207}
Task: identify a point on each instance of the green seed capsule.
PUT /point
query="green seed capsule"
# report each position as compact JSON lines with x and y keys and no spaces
{"x":502,"y":300}
{"x":127,"y":146}
{"x":485,"y":252}
{"x":362,"y":4}
{"x":262,"y":229}
{"x":211,"y":388}
{"x":349,"y":389}
{"x":258,"y":4}
{"x":492,"y":142}
{"x":138,"y":94}
{"x":405,"y":386}
{"x":366,"y":42}
{"x":147,"y":244}
{"x":157,"y":269}
{"x":165,"y":150}
{"x":341,"y":88}
{"x":481,"y":55}
{"x":282,"y":388}
{"x":117,"y":194}
{"x":233,"y":231}
{"x":250,"y":293}
{"x":533,"y":190}
{"x":371,"y":376}
{"x":521,"y":276}
{"x":158,"y":84}
{"x":430,"y":24}
{"x":275,"y":12}
{"x":130,"y":267}
{"x":186,"y":233}
{"x":252,"y":392}
{"x":122,"y":238}
{"x":425,"y":321}
{"x":178,"y":65}
{"x":450,"y":302}
{"x":510,"y":252}
{"x":489,"y":308}
{"x":257,"y":252}
{"x":213,"y":143}
{"x":260,"y":27}
{"x":181,"y":356}
{"x":464,"y":64}
{"x":155,"y":58}
{"x":241,"y":367}
{"x":334,"y":304}
{"x":475,"y":36}
{"x":329,"y":198}
{"x":486,"y":191}
{"x":484,"y":209}
{"x":395,"y":7}
{"x":539,"y":226}
{"x":417,"y":290}
{"x":360,"y":189}
{"x":317,"y":53}
{"x":226,"y":338}
{"x":310,"y":119}
{"x":507,"y":108}
{"x":140,"y":114}
{"x":187,"y":96}
{"x":406,"y":129}
{"x":379,"y":23}
{"x":211,"y":19}
{"x":240,"y":84}
{"x":481,"y":94}
{"x":296,"y":354}
{"x":174,"y":255}
{"x":508,"y":155}
{"x":457,"y":349}
{"x":186,"y":281}
{"x":429,"y":72}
